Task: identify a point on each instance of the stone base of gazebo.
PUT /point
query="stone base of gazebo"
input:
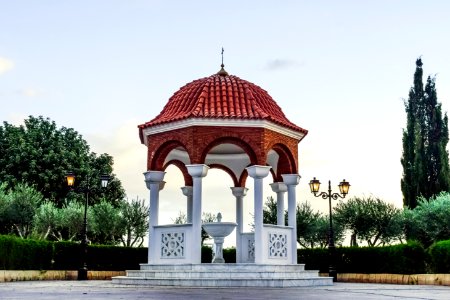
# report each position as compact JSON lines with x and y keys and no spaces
{"x":223,"y":275}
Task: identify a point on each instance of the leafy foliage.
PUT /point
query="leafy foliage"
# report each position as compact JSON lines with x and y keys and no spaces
{"x":134,"y":222}
{"x":21,"y":206}
{"x":40,"y":154}
{"x":270,"y":211}
{"x":429,"y":222}
{"x":107,"y":227}
{"x":313,"y":228}
{"x":371,"y":220}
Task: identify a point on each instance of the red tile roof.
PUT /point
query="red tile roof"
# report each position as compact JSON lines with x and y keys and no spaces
{"x":222,"y":96}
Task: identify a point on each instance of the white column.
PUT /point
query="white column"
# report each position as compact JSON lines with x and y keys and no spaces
{"x":239,"y":193}
{"x":155,"y":183}
{"x":258,"y":173}
{"x":279,"y":188}
{"x":197,"y":172}
{"x":187,"y":191}
{"x":291,"y":180}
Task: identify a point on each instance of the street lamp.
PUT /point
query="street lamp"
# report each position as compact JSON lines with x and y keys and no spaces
{"x":344,"y":186}
{"x":70,"y":177}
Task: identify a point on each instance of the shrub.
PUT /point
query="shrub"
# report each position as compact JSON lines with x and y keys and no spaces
{"x":440,"y":257}
{"x":229,"y":254}
{"x":206,"y":254}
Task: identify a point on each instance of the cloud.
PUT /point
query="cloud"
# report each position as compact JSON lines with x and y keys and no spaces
{"x":30,"y":92}
{"x":279,"y":64}
{"x":5,"y":65}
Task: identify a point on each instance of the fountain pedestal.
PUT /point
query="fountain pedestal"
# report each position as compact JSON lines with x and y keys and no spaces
{"x":218,"y":231}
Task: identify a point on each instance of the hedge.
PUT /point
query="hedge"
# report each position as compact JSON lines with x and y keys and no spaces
{"x":411,"y":258}
{"x":27,"y":254}
{"x":440,"y":257}
{"x":20,"y":254}
{"x":408,"y":258}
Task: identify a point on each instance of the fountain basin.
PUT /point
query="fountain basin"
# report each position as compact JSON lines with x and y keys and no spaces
{"x":219,"y":229}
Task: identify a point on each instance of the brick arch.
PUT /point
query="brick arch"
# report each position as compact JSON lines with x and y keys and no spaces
{"x":159,"y":156}
{"x":230,"y":140}
{"x":286,"y":161}
{"x":180,"y":165}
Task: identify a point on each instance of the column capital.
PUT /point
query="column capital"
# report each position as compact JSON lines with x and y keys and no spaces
{"x":187,"y":190}
{"x":154,"y":176}
{"x":199,"y":170}
{"x":278,"y":187}
{"x":239,"y":191}
{"x":291,"y":179}
{"x":258,"y":172}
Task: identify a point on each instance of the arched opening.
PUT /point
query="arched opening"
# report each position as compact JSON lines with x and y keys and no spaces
{"x":171,"y":150}
{"x":280,"y":158}
{"x":217,"y":197}
{"x":172,"y":201}
{"x":231,"y":155}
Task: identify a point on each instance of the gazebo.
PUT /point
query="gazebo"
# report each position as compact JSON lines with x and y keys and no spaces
{"x":224,"y":122}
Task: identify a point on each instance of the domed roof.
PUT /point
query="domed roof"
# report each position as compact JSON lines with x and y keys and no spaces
{"x":222,"y":96}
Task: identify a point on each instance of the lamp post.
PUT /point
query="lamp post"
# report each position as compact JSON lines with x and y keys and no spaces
{"x":344,"y":186}
{"x":70,"y":177}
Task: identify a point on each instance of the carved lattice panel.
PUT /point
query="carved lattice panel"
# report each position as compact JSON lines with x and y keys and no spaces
{"x":278,"y":245}
{"x":172,"y":245}
{"x":251,"y":250}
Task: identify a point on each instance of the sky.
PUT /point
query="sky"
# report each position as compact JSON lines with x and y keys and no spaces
{"x":340,"y":69}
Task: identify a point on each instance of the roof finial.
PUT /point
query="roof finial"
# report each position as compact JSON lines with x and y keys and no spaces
{"x":222,"y":71}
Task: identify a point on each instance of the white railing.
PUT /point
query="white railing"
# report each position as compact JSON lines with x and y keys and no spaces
{"x":175,"y":246}
{"x":277,"y":241}
{"x":247,"y":252}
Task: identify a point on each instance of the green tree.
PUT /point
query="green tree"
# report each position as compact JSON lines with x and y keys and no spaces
{"x":313,"y":228}
{"x":23,"y":204}
{"x":5,"y":225}
{"x":371,"y":220}
{"x":425,"y":158}
{"x":107,"y":227}
{"x":429,"y":222}
{"x":46,"y":220}
{"x":71,"y":222}
{"x":135,"y":221}
{"x":40,"y":154}
{"x":270,"y":211}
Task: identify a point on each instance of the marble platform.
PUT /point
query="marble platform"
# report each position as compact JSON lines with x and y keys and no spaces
{"x":223,"y":275}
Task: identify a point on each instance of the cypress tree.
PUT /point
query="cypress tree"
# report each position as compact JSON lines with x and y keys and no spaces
{"x":425,"y":157}
{"x":409,"y":180}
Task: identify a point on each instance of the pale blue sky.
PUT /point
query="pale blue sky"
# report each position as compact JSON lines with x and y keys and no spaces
{"x":337,"y":68}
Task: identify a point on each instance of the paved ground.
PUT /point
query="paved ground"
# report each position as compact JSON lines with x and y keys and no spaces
{"x":74,"y":290}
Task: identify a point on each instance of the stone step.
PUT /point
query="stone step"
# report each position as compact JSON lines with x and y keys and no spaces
{"x":235,"y":274}
{"x":225,"y":267}
{"x":205,"y":282}
{"x":223,"y":275}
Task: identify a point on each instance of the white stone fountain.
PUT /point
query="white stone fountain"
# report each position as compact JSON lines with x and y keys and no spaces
{"x":218,"y":231}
